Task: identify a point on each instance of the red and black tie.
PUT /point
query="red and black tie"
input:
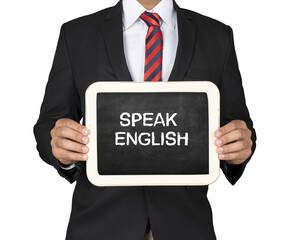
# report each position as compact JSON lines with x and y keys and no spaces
{"x":153,"y":48}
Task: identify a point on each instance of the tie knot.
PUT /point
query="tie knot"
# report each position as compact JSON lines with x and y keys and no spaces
{"x":150,"y":18}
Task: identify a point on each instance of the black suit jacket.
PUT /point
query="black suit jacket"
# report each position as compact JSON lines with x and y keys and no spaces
{"x":90,"y":49}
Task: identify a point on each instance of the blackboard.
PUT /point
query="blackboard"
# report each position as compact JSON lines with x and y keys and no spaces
{"x":140,"y":146}
{"x":152,"y":133}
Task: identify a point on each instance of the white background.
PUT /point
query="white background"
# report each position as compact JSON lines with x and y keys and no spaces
{"x":36,"y":201}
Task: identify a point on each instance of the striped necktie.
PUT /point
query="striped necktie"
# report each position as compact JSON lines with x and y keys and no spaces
{"x":153,"y":47}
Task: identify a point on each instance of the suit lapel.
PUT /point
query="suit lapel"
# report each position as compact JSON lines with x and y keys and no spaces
{"x":186,"y":44}
{"x":113,"y":36}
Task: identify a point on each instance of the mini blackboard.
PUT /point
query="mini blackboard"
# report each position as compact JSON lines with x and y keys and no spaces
{"x":152,"y":133}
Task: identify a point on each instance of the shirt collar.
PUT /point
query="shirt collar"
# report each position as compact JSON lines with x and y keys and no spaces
{"x":132,"y":9}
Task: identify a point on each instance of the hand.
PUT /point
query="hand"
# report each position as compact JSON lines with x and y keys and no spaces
{"x":69,"y":140}
{"x":234,"y":142}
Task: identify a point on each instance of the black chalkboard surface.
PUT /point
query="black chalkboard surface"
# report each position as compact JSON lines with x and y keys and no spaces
{"x":152,"y":133}
{"x":145,"y":148}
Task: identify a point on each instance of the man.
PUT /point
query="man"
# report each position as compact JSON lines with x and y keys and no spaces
{"x":91,"y":49}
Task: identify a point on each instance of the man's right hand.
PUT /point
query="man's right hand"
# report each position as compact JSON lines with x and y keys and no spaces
{"x":69,"y":140}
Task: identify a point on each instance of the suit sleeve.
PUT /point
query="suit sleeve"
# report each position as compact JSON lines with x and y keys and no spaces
{"x":61,"y":100}
{"x":233,"y":106}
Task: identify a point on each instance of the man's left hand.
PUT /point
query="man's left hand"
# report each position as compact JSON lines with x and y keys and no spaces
{"x":233,"y":142}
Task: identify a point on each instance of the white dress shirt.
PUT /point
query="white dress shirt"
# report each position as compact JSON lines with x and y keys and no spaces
{"x":134,"y":35}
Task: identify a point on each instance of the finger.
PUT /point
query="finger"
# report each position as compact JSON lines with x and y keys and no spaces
{"x":67,"y":155}
{"x":66,"y":122}
{"x":234,"y":147}
{"x":229,"y":127}
{"x":239,"y":156}
{"x":66,"y":132}
{"x":231,"y":137}
{"x":70,"y":145}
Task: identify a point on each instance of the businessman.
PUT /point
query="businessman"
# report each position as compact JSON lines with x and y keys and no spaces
{"x":144,"y":40}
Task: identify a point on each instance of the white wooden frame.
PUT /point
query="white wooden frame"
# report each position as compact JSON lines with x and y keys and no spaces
{"x":152,"y":180}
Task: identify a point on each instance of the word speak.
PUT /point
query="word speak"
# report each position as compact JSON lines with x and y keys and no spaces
{"x":147,"y":119}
